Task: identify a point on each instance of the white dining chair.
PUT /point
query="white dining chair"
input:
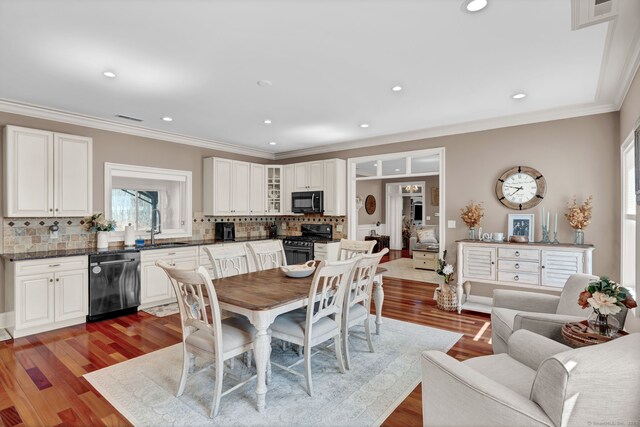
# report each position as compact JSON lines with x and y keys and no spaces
{"x":350,"y":248}
{"x":268,"y":254}
{"x":229,"y":260}
{"x":357,"y":306}
{"x":321,"y":321}
{"x":203,"y":332}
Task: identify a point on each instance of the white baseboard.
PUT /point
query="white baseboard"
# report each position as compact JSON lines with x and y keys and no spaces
{"x":5,"y":319}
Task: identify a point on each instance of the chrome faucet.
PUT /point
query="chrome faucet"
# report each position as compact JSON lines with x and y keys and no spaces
{"x":156,"y":222}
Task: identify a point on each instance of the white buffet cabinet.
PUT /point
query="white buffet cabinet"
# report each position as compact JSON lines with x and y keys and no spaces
{"x":529,"y":266}
{"x":46,"y":294}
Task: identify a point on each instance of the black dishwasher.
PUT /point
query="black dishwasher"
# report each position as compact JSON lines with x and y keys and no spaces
{"x":114,"y":285}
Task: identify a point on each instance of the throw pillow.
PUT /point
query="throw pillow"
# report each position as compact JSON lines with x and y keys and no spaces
{"x":427,"y":235}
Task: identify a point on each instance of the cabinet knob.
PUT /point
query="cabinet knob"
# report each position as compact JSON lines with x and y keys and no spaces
{"x":57,"y":209}
{"x":516,"y":278}
{"x":57,"y":279}
{"x":517,"y":253}
{"x":51,"y":280}
{"x":543,"y":266}
{"x":50,"y":210}
{"x":492,"y":263}
{"x":517,"y":266}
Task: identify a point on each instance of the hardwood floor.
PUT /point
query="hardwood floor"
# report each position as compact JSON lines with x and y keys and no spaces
{"x":41,"y":375}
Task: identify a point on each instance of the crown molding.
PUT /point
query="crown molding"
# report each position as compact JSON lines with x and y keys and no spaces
{"x":13,"y":107}
{"x":460,"y":128}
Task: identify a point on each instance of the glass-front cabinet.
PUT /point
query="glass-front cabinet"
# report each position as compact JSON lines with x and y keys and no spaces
{"x":274,"y":189}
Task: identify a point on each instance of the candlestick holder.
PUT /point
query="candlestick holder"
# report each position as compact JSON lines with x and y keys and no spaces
{"x":545,"y":234}
{"x":555,"y":238}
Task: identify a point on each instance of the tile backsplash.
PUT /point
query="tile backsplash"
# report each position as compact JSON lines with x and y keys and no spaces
{"x":33,"y":234}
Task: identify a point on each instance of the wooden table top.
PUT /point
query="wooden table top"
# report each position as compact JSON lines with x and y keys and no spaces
{"x":264,"y":290}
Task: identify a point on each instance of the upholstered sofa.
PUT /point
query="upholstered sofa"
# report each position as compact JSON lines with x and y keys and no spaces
{"x":538,"y":382}
{"x":425,"y":237}
{"x":541,"y":313}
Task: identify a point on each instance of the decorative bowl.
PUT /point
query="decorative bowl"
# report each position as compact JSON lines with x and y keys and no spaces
{"x":300,"y":270}
{"x":519,"y":239}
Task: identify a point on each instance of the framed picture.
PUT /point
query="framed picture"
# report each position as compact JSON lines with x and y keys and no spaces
{"x":522,"y":225}
{"x":435,"y":196}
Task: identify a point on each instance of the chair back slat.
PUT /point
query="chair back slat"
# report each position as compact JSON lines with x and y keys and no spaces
{"x":363,"y":277}
{"x":228,"y":261}
{"x":351,"y":248}
{"x":331,"y":280}
{"x":190,"y":287}
{"x":268,"y":255}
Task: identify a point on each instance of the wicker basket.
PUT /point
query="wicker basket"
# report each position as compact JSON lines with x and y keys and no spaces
{"x":446,"y":298}
{"x":578,"y":334}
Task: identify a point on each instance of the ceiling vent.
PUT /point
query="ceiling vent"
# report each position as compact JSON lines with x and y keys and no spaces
{"x":585,"y":13}
{"x":133,"y":119}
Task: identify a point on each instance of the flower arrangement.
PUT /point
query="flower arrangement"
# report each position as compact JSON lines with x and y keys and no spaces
{"x":472,"y":214}
{"x":445,"y":270}
{"x":606,"y":297}
{"x":97,"y":222}
{"x":579,"y":216}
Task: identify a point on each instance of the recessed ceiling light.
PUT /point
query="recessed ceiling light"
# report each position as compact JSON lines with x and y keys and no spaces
{"x":272,"y":143}
{"x":397,"y":170}
{"x":519,"y":95}
{"x":167,"y":119}
{"x":110,"y":74}
{"x":475,"y":5}
{"x":396,"y":88}
{"x":267,"y":122}
{"x":364,"y":125}
{"x":264,"y":83}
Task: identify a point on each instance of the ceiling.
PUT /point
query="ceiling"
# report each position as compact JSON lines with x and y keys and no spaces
{"x":332,"y":65}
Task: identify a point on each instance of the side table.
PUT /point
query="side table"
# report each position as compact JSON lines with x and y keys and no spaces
{"x":381,"y":242}
{"x":579,"y":334}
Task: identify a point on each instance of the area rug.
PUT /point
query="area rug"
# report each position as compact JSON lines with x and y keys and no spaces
{"x":403,"y":269}
{"x":163,"y":310}
{"x":4,"y":335}
{"x":143,"y":389}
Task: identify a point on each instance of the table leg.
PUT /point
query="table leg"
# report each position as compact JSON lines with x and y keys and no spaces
{"x":378,"y":299}
{"x":459,"y":296}
{"x":262,"y":355}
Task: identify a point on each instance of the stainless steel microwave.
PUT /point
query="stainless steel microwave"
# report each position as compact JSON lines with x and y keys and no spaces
{"x":307,"y":202}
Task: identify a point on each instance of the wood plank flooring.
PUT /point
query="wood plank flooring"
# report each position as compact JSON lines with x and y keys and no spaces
{"x":41,"y":375}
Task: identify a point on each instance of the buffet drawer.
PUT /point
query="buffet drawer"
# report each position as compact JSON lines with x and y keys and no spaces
{"x":518,"y":266}
{"x":529,"y":254}
{"x":526,"y":278}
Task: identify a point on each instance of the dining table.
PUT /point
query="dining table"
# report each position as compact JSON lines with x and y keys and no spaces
{"x":262,"y":296}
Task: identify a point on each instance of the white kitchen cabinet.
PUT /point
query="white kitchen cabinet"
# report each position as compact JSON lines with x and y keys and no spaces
{"x":335,"y":187}
{"x":47,"y":174}
{"x":42,"y":295}
{"x":226,"y":187}
{"x":257,"y":187}
{"x":528,"y":266}
{"x":326,"y":251}
{"x":288,"y":186}
{"x":274,"y":189}
{"x":155,"y":287}
{"x":309,"y":176}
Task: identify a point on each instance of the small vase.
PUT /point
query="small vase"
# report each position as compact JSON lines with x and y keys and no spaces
{"x":603,"y":324}
{"x":578,"y":237}
{"x":103,"y":239}
{"x":472,"y":233}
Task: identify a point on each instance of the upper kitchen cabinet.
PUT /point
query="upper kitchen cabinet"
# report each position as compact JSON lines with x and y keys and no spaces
{"x":309,"y":176}
{"x":288,"y":187}
{"x":47,"y":174}
{"x":335,"y":187}
{"x":274,"y":190}
{"x":227,"y":187}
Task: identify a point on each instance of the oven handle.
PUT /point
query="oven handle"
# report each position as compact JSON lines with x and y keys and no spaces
{"x":120,"y":261}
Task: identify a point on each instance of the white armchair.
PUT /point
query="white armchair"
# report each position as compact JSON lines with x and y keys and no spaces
{"x":539,"y":382}
{"x":541,"y":313}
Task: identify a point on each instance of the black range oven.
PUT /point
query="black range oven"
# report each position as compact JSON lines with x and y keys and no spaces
{"x":299,"y":249}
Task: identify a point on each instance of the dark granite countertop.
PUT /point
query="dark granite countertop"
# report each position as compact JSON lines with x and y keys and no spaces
{"x":24,"y":256}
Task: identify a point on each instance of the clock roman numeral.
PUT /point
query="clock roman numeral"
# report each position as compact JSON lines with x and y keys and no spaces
{"x":539,"y":196}
{"x":501,"y":198}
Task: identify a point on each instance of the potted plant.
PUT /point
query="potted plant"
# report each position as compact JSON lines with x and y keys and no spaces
{"x":444,"y":294}
{"x":98,"y":224}
{"x":471,"y":216}
{"x":579,"y":217}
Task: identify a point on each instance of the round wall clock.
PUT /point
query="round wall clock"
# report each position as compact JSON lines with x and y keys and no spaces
{"x":521,"y":188}
{"x":370,"y":204}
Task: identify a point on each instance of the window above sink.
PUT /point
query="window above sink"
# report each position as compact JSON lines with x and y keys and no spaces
{"x":133,"y":193}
